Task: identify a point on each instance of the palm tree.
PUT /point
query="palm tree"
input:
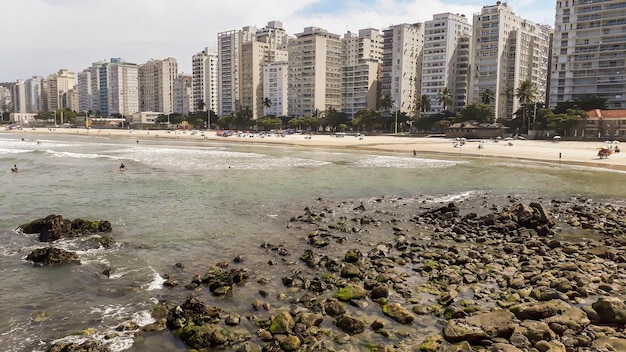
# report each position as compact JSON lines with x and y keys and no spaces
{"x":526,"y":93}
{"x":445,"y":98}
{"x":424,"y":103}
{"x":267,"y":103}
{"x":487,"y":96}
{"x":385,"y":102}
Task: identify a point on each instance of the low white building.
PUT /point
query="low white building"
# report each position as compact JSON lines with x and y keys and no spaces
{"x":147,"y":117}
{"x":23,"y":118}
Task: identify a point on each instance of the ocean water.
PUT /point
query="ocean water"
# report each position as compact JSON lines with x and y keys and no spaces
{"x":201,"y":202}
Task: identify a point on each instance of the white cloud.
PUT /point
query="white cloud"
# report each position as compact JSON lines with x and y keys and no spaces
{"x":43,"y":36}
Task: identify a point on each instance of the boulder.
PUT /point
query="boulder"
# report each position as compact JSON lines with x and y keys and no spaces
{"x":350,"y":292}
{"x":610,"y":310}
{"x":350,"y":325}
{"x":52,"y":256}
{"x":398,"y":313}
{"x":282,"y":323}
{"x":497,"y":323}
{"x":54,"y":227}
{"x":192,"y":312}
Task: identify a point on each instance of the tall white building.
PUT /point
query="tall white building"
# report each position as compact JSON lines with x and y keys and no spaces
{"x":204,"y":81}
{"x":58,"y":85}
{"x":183,"y":96}
{"x":254,"y":57}
{"x":18,"y":97}
{"x":445,"y":62}
{"x":228,"y":51}
{"x":5,"y":99}
{"x":589,"y":52}
{"x":402,"y":62}
{"x":108,"y":88}
{"x":507,"y":50}
{"x":362,"y":58}
{"x":275,"y":88}
{"x":33,"y":88}
{"x":315,"y":60}
{"x":156,"y":85}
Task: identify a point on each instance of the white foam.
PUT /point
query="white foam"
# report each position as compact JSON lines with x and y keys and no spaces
{"x":75,"y":155}
{"x":156,"y":283}
{"x":404,"y":162}
{"x":453,"y":197}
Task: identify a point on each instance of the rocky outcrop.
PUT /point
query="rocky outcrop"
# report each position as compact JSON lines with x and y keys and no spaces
{"x":54,"y":227}
{"x":52,"y":256}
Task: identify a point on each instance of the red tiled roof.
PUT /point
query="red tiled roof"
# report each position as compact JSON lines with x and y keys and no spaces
{"x":606,"y":114}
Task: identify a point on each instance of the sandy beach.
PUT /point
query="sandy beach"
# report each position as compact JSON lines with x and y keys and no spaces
{"x":569,"y":152}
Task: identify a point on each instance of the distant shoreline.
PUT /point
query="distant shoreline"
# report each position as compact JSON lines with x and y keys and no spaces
{"x":566,"y":152}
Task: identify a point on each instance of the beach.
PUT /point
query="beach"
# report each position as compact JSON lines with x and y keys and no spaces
{"x":570,"y":152}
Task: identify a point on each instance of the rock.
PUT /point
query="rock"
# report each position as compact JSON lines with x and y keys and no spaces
{"x":350,"y":271}
{"x":381,"y":291}
{"x":536,"y":331}
{"x":88,"y":346}
{"x":54,"y":227}
{"x":610,"y":343}
{"x":350,"y":325}
{"x":353,"y":255}
{"x":396,"y":312}
{"x":497,"y":323}
{"x":431,"y":344}
{"x":52,"y":256}
{"x":192,"y":311}
{"x":282,"y":323}
{"x":334,"y":308}
{"x":209,"y":335}
{"x":310,"y":319}
{"x":289,"y":343}
{"x":503,"y":347}
{"x":610,"y":310}
{"x":350,"y":292}
{"x":232,"y":319}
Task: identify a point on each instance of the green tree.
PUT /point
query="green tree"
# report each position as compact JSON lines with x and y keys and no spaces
{"x":562,"y":123}
{"x":479,"y":112}
{"x":526,"y":94}
{"x":269,"y":123}
{"x":445,"y":98}
{"x":385,"y":102}
{"x":333,"y":118}
{"x":267,"y":103}
{"x":366,"y":119}
{"x":227,"y":121}
{"x":424,"y":103}
{"x":587,"y":103}
{"x":487,"y":96}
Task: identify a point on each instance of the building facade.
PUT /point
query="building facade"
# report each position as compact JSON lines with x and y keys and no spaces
{"x":507,"y":50}
{"x":228,"y":51}
{"x":18,"y":97}
{"x":204,"y":81}
{"x":183,"y":95}
{"x":58,"y":85}
{"x":156,"y":85}
{"x":402,"y":62}
{"x":33,"y":88}
{"x":275,"y":88}
{"x":315,"y":60}
{"x":362,"y":58}
{"x":589,"y":52}
{"x":445,"y":61}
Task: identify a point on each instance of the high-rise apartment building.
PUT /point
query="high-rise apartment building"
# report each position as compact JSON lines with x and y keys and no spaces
{"x":254,"y":57}
{"x":228,"y":51}
{"x":5,"y":99}
{"x":59,"y":84}
{"x":18,"y":97}
{"x":183,"y":95}
{"x":156,"y":85}
{"x":402,"y":62}
{"x":204,"y":81}
{"x":589,"y":52}
{"x":445,"y":62}
{"x":362,"y":58}
{"x":315,"y":60}
{"x":275,"y":88}
{"x":507,"y":50}
{"x":33,"y":88}
{"x":108,"y":88}
{"x":273,"y":34}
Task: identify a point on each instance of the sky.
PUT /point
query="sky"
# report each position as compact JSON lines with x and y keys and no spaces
{"x":40,"y":37}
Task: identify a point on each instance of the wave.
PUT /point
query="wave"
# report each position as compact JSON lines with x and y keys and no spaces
{"x":75,"y":155}
{"x":405,"y":162}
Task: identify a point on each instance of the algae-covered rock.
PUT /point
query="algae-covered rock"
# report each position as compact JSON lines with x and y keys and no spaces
{"x":282,"y":323}
{"x":52,"y":256}
{"x":396,"y":312}
{"x":350,"y":292}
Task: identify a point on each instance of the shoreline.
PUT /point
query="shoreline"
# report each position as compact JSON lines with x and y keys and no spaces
{"x":577,"y":153}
